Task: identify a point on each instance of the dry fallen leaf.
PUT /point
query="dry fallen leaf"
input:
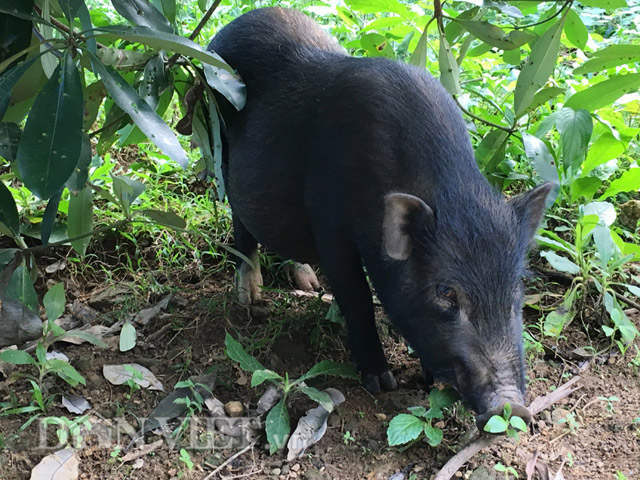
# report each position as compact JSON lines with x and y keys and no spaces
{"x":312,"y":426}
{"x":142,"y":451}
{"x":120,"y":374}
{"x":75,"y":404}
{"x":144,"y":316}
{"x":61,"y":465}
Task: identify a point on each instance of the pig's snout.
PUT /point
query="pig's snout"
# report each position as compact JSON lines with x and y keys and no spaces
{"x":517,"y":410}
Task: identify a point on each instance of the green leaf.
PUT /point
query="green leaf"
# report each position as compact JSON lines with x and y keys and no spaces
{"x":605,"y":93}
{"x":379,"y":6}
{"x":434,"y":435}
{"x":605,"y":148}
{"x":66,"y":372}
{"x":93,"y":96}
{"x":496,"y":424}
{"x":575,"y":127}
{"x":54,"y":301}
{"x":141,"y":12}
{"x":605,"y":4}
{"x":584,"y":187}
{"x":84,"y":336}
{"x":228,"y":84}
{"x":449,"y":71}
{"x":540,"y":157}
{"x":21,"y":288}
{"x":155,"y":80}
{"x":633,"y":290}
{"x":605,"y":246}
{"x":494,"y":35}
{"x":9,"y":78}
{"x":629,"y":181}
{"x":277,"y":426}
{"x":518,"y":423}
{"x":260,"y":376}
{"x":8,"y":211}
{"x":49,"y":217}
{"x":316,"y":395}
{"x":202,"y":5}
{"x":126,"y":190}
{"x":52,"y":138}
{"x":544,"y":95}
{"x":376,"y":45}
{"x":236,"y":353}
{"x":610,"y":57}
{"x":419,"y":55}
{"x":80,"y":219}
{"x":575,"y":30}
{"x":168,"y":219}
{"x":328,"y":367}
{"x":537,"y":67}
{"x":404,"y":428}
{"x":164,"y":41}
{"x":419,"y":411}
{"x":562,"y":264}
{"x":80,"y":175}
{"x":70,"y":8}
{"x":17,"y":357}
{"x":128,"y":336}
{"x":440,"y":399}
{"x":142,"y":114}
{"x":490,"y":151}
{"x":169,"y":9}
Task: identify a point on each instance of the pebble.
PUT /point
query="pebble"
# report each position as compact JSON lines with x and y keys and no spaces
{"x":458,"y":475}
{"x":234,"y":408}
{"x":381,"y":416}
{"x":558,"y":414}
{"x":276,"y":471}
{"x":542,"y":425}
{"x":296,"y":467}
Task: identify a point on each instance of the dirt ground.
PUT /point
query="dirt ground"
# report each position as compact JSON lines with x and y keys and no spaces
{"x":592,"y":434}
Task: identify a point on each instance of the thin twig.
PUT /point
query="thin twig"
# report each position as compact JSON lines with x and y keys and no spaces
{"x":539,"y":404}
{"x":196,"y":31}
{"x":231,"y":459}
{"x":480,"y":119}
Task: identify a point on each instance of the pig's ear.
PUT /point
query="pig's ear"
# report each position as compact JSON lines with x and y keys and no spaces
{"x":530,"y":206}
{"x":401,"y":213}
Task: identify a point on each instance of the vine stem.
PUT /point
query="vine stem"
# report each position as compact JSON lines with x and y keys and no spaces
{"x":509,"y":130}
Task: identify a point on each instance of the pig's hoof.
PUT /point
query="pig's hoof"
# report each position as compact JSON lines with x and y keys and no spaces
{"x":303,"y":276}
{"x":374,"y":383}
{"x":248,"y":282}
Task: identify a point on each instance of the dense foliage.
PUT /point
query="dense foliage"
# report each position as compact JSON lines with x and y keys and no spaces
{"x":549,"y":90}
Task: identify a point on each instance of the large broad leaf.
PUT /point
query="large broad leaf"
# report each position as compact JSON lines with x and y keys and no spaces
{"x":605,"y":93}
{"x":545,"y":95}
{"x":605,"y":4}
{"x":449,"y":71}
{"x":490,"y":152}
{"x":54,"y":301}
{"x":562,"y":264}
{"x":277,"y":426}
{"x":575,"y":127}
{"x":70,"y":8}
{"x":503,"y":7}
{"x":168,"y":218}
{"x":227,"y":84}
{"x":404,"y":428}
{"x":629,"y":181}
{"x":21,"y":288}
{"x":141,"y":12}
{"x":575,"y":30}
{"x":379,"y":6}
{"x":328,"y":367}
{"x":163,"y":41}
{"x":126,"y":190}
{"x":495,"y":36}
{"x":93,"y":96}
{"x":584,"y":187}
{"x":142,"y":114}
{"x":606,"y":148}
{"x":80,"y":219}
{"x":154,"y":81}
{"x":52,"y":138}
{"x":419,"y":55}
{"x":538,"y":67}
{"x":8,"y":211}
{"x":49,"y":217}
{"x":540,"y":158}
{"x":80,"y":174}
{"x":10,"y":78}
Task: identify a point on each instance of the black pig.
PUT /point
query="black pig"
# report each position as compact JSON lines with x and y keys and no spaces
{"x":365,"y":163}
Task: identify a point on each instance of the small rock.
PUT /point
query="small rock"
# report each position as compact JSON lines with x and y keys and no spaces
{"x":542,"y":425}
{"x":293,"y":474}
{"x":285,"y":469}
{"x":506,"y":458}
{"x":458,"y":475}
{"x":381,"y":416}
{"x":558,"y":414}
{"x":418,"y":468}
{"x":172,"y":472}
{"x":296,"y":467}
{"x":482,"y":473}
{"x":234,"y":408}
{"x":611,"y":360}
{"x":276,"y":471}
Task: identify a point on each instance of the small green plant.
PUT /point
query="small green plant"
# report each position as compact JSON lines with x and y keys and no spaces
{"x":185,"y":458}
{"x":620,"y":475}
{"x":507,"y":471}
{"x":114,"y":454}
{"x":194,"y":405}
{"x":69,"y":432}
{"x":571,"y":422}
{"x":132,"y":382}
{"x":347,"y":438}
{"x":609,"y":401}
{"x":277,"y":421}
{"x":409,"y":428}
{"x":44,"y":365}
{"x":507,"y":423}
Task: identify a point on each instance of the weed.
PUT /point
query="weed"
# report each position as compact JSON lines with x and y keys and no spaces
{"x":69,"y":432}
{"x":409,"y":428}
{"x":277,"y":420}
{"x":609,"y":401}
{"x":571,"y":422}
{"x":511,"y":424}
{"x":507,"y":471}
{"x":347,"y":438}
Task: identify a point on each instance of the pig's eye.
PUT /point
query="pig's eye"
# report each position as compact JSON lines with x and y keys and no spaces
{"x":447,"y":297}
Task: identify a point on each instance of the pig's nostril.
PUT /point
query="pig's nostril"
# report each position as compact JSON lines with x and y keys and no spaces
{"x":516,"y":410}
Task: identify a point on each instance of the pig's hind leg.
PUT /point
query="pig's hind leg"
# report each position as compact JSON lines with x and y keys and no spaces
{"x":248,"y":277}
{"x":302,"y":275}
